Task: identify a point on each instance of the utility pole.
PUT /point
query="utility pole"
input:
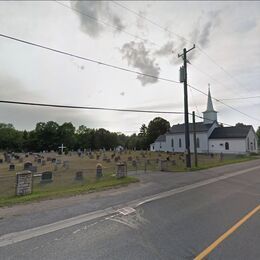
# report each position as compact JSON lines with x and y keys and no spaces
{"x":195,"y":139}
{"x":183,"y":78}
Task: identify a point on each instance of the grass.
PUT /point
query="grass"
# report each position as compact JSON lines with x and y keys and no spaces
{"x":64,"y":183}
{"x":40,"y":194}
{"x":222,"y":163}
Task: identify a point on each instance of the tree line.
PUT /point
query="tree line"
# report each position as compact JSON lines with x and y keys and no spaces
{"x":50,"y":135}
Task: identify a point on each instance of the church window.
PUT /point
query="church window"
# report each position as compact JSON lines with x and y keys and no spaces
{"x":226,"y":146}
{"x":248,"y":148}
{"x":179,"y":142}
{"x":198,"y":142}
{"x":254,"y":144}
{"x":172,"y":143}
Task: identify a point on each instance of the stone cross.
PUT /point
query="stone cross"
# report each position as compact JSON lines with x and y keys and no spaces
{"x":62,"y":148}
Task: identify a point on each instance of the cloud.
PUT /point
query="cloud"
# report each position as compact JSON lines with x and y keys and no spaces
{"x":139,"y":57}
{"x":89,"y":11}
{"x":201,"y":34}
{"x":166,"y":49}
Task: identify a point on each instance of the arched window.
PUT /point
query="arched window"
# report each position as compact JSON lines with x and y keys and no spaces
{"x":179,"y":142}
{"x":226,"y":145}
{"x":248,"y":147}
{"x":198,"y":142}
{"x":172,"y":142}
{"x":254,"y":144}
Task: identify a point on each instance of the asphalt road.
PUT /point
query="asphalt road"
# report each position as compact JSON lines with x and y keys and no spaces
{"x":175,"y":216}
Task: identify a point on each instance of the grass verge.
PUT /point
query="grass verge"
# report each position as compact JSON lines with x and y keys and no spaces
{"x":222,"y":163}
{"x":39,"y":194}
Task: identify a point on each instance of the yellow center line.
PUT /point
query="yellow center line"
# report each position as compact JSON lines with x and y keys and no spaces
{"x":226,"y":234}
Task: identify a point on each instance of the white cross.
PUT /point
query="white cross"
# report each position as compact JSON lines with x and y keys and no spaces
{"x":62,"y":147}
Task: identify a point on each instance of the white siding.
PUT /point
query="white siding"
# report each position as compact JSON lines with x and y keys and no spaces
{"x":158,"y":146}
{"x":251,"y":141}
{"x":236,"y":146}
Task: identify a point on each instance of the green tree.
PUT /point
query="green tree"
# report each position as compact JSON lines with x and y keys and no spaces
{"x":66,"y":135}
{"x":156,"y":127}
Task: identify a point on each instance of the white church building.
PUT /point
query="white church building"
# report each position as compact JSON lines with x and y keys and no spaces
{"x":211,"y":137}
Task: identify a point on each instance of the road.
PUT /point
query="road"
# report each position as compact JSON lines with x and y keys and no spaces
{"x":213,"y":213}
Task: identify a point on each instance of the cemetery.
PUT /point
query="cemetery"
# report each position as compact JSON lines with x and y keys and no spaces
{"x":52,"y":173}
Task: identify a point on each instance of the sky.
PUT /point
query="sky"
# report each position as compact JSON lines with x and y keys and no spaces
{"x":227,"y":55}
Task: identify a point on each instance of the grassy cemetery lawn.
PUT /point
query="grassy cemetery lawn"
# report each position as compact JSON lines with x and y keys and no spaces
{"x":73,"y":174}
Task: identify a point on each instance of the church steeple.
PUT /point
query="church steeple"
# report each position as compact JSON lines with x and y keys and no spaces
{"x":210,"y":115}
{"x":209,"y":105}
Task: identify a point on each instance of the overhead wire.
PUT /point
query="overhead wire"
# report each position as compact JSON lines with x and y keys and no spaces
{"x":118,"y":28}
{"x":97,"y":108}
{"x":179,"y":36}
{"x":159,"y":26}
{"x":116,"y":67}
{"x":88,"y":59}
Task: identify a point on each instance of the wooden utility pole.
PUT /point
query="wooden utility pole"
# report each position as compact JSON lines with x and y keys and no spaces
{"x":195,"y":139}
{"x":183,"y":79}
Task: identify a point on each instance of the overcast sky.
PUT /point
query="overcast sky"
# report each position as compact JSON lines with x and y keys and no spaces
{"x":228,"y":32}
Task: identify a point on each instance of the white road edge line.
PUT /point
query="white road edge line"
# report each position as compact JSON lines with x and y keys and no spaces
{"x":15,"y":237}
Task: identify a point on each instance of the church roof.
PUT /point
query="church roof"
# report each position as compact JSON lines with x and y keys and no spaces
{"x":209,"y":104}
{"x":199,"y":126}
{"x":230,"y":132}
{"x":161,"y":138}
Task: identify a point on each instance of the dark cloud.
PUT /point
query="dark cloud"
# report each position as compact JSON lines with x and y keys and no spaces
{"x":201,"y":34}
{"x":139,"y":57}
{"x":166,"y":49}
{"x":99,"y":10}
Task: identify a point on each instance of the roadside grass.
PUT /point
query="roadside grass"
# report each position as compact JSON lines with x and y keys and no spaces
{"x":40,"y":193}
{"x":222,"y":163}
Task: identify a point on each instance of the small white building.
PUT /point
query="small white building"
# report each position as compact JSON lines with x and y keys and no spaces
{"x":210,"y":136}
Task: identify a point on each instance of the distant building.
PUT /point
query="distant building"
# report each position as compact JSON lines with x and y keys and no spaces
{"x":210,"y":136}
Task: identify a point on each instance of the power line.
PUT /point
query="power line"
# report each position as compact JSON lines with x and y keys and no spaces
{"x":239,"y":98}
{"x":114,"y":67}
{"x":89,"y":107}
{"x":87,"y":59}
{"x":10,"y":102}
{"x":179,"y":36}
{"x":118,"y":28}
{"x":150,"y":21}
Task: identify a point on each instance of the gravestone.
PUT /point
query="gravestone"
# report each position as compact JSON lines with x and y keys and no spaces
{"x":134,"y":164}
{"x":11,"y":167}
{"x":163,"y":165}
{"x":99,"y":171}
{"x":58,"y":161}
{"x":46,"y":177}
{"x":27,"y":165}
{"x":1,"y":160}
{"x":66,"y":164}
{"x":173,"y":162}
{"x":33,"y":169}
{"x":79,"y":176}
{"x":23,"y":183}
{"x":39,"y":160}
{"x":53,"y":160}
{"x":121,"y":170}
